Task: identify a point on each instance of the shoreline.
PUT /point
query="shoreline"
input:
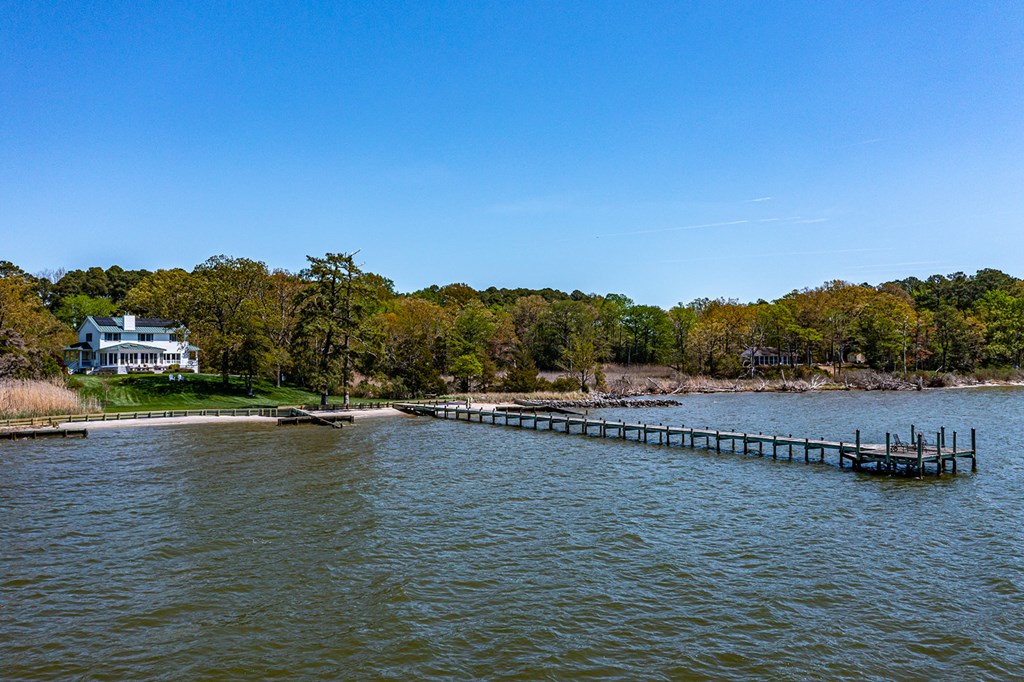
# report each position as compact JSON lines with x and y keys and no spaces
{"x":601,"y":401}
{"x":211,"y":419}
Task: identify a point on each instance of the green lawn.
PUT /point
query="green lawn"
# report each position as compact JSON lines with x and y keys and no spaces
{"x":143,"y":392}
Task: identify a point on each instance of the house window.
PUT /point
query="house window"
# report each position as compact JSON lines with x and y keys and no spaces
{"x":88,"y":336}
{"x":110,"y":336}
{"x":145,"y":337}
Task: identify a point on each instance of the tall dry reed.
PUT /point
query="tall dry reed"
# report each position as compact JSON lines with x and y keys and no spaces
{"x":37,"y":398}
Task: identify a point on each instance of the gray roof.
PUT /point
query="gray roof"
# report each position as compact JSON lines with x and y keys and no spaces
{"x":143,"y":325}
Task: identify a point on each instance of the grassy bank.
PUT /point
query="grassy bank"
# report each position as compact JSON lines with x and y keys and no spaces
{"x":195,"y":392}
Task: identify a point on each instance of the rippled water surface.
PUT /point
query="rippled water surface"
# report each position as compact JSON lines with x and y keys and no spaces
{"x":412,"y":548}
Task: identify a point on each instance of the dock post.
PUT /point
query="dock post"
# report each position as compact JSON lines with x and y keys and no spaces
{"x":775,"y":447}
{"x":954,"y":444}
{"x":760,"y":445}
{"x":857,"y":452}
{"x":840,"y":454}
{"x":807,"y":447}
{"x":913,"y":434}
{"x":718,"y":443}
{"x":791,"y":447}
{"x":974,"y":451}
{"x":940,"y":465}
{"x":920,"y":456}
{"x":888,"y":448}
{"x":744,"y":444}
{"x":942,"y":430}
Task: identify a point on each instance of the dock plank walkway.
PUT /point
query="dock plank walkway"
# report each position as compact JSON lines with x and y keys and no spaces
{"x":911,"y":459}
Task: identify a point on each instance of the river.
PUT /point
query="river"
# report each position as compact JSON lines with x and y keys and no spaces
{"x":411,"y":548}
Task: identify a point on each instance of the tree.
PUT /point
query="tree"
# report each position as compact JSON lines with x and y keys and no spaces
{"x":611,"y":311}
{"x":648,"y":332}
{"x":844,"y":303}
{"x":958,"y":339}
{"x":579,"y":359}
{"x":338,"y":298}
{"x":227,"y":314}
{"x":167,"y":294}
{"x":30,"y":336}
{"x":284,"y":301}
{"x":521,"y":377}
{"x":1003,"y":314}
{"x":412,"y":334}
{"x":682,"y":320}
{"x":466,"y":368}
{"x":73,"y":310}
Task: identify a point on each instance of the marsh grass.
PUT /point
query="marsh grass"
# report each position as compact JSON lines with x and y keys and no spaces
{"x":21,"y":398}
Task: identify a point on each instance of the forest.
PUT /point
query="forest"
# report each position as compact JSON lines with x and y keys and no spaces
{"x":338,"y":329}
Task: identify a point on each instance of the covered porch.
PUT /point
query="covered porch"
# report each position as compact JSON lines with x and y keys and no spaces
{"x":123,"y":358}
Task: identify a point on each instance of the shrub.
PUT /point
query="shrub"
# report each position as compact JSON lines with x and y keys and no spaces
{"x":565,"y":385}
{"x":364,"y":389}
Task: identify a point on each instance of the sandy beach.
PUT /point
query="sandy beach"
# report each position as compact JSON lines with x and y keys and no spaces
{"x":225,"y":419}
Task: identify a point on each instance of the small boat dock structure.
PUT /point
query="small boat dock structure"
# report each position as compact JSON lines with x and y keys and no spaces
{"x":300,"y":416}
{"x":891,"y":457}
{"x":32,"y":434}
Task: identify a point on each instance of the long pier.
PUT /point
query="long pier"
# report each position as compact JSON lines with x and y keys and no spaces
{"x":887,"y":457}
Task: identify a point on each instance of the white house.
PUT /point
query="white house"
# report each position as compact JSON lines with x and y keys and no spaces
{"x":119,"y":345}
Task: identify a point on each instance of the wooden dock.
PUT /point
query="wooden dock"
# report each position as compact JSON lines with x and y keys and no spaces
{"x":886,"y":457}
{"x":32,"y":434}
{"x":303,"y":417}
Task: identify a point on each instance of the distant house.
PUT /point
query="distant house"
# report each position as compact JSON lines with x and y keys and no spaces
{"x":118,"y":345}
{"x":764,"y":356}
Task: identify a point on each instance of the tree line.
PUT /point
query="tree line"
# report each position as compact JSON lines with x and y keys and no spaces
{"x":337,"y":328}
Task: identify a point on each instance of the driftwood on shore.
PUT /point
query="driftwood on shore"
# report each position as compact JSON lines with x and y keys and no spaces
{"x":869,"y":381}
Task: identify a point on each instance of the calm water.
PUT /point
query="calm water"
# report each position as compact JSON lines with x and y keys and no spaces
{"x":419,"y":549}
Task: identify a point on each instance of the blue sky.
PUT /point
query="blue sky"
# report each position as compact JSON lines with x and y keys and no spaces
{"x":664,"y":151}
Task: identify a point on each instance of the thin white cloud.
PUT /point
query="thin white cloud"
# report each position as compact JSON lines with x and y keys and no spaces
{"x":536,"y":205}
{"x":758,"y":200}
{"x":811,"y":221}
{"x":675,"y":229}
{"x":916,"y":264}
{"x":780,"y":254}
{"x":873,"y":140}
